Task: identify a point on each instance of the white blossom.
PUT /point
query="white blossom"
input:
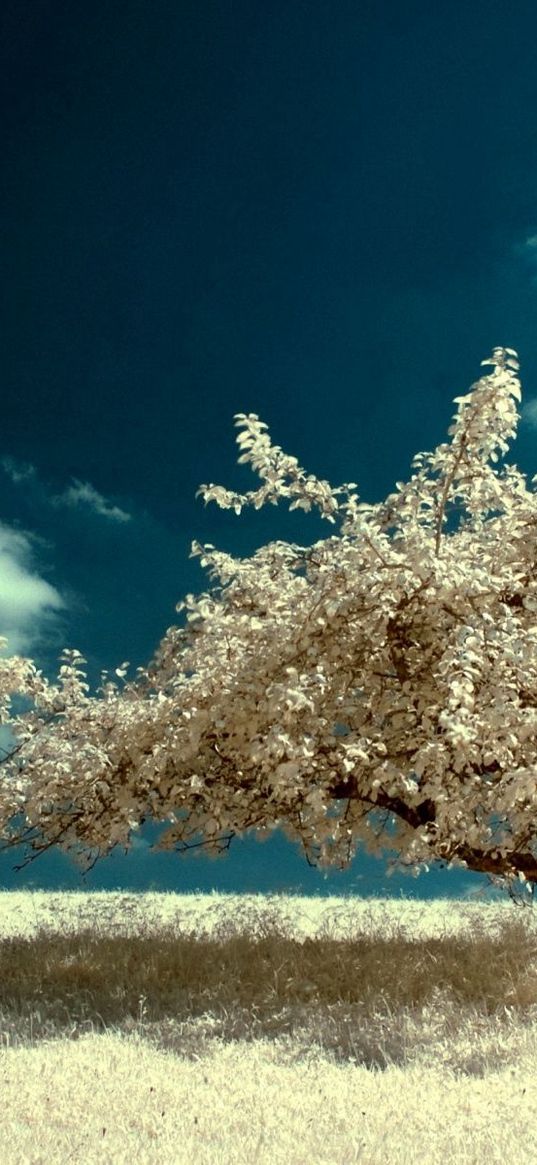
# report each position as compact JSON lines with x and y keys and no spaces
{"x":390,"y":669}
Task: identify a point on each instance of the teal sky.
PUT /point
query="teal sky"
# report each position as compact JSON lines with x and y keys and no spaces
{"x":324,"y":213}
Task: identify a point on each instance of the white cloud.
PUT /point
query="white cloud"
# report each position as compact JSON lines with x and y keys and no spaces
{"x":17,"y":470}
{"x":27,"y":601}
{"x":527,"y":248}
{"x":81,"y":493}
{"x":138,"y":842}
{"x":526,"y":251}
{"x":529,"y":413}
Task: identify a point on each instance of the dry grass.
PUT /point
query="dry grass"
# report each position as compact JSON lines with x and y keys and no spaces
{"x":251,"y":1029}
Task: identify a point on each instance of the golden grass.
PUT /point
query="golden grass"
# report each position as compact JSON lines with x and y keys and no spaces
{"x":171,"y":1028}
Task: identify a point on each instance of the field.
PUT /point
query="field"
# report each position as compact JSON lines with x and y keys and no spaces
{"x":163,"y":1028}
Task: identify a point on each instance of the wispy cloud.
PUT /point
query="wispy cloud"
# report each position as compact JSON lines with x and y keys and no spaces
{"x":27,"y":601}
{"x":81,"y":493}
{"x":526,"y":251}
{"x":18,"y":470}
{"x":529,"y":413}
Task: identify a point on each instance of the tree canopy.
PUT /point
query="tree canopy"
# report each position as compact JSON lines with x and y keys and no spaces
{"x":376,"y":689}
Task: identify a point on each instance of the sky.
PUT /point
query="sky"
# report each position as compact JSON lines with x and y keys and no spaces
{"x":323,"y":213}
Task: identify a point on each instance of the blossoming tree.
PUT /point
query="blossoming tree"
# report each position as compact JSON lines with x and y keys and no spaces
{"x":376,"y":689}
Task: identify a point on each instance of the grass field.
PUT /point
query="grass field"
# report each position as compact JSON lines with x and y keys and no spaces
{"x":189,"y":1028}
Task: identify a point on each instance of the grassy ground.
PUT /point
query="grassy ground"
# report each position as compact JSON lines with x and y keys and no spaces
{"x":177,"y":1028}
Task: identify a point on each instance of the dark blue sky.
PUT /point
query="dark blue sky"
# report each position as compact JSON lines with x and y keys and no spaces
{"x":324,"y":213}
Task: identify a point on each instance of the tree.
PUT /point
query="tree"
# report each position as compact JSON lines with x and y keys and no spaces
{"x":383,"y":678}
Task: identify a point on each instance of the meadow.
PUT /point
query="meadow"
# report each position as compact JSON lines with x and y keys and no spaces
{"x":172,"y":1028}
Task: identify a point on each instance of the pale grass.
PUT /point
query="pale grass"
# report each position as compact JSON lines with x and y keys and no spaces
{"x":242,"y":1029}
